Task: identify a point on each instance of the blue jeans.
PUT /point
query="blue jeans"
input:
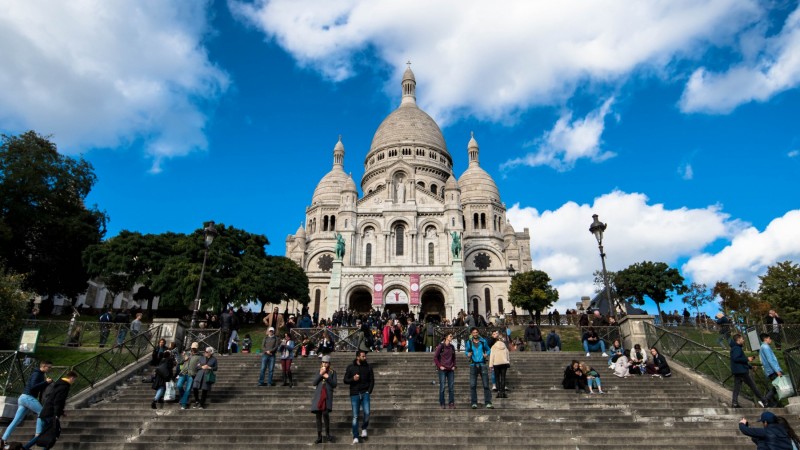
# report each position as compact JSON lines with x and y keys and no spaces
{"x":358,"y":402}
{"x":449,"y":377}
{"x":597,"y":346}
{"x":267,"y":362}
{"x":483,"y":370}
{"x":184,"y":388}
{"x":159,"y":394}
{"x":25,"y":403}
{"x":410,"y":344}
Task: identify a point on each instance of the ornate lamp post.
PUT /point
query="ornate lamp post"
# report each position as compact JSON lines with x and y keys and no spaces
{"x":209,"y":232}
{"x":597,"y":228}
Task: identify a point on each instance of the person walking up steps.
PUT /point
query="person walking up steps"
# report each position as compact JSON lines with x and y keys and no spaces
{"x":29,"y":400}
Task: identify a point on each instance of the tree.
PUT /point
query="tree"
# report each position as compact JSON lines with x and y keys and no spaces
{"x":13,"y":305}
{"x":531,"y":291}
{"x":742,"y":304}
{"x":599,"y":283}
{"x":696,"y":296}
{"x":654,"y":280}
{"x":283,"y":280}
{"x":44,"y":223}
{"x":780,"y":288}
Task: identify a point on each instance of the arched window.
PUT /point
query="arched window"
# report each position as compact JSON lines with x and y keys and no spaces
{"x":421,"y":184}
{"x":494,"y":222}
{"x":368,"y":255}
{"x":483,"y":221}
{"x":464,"y":223}
{"x":500,"y":305}
{"x":475,"y":221}
{"x":345,"y":224}
{"x":487,"y":301}
{"x":399,"y":231}
{"x":325,"y":223}
{"x":453,"y":221}
{"x":430,"y":254}
{"x":333,"y":223}
{"x":433,"y":189}
{"x":316,"y":301}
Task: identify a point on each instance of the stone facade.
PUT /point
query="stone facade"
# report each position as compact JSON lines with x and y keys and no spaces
{"x":398,"y":237}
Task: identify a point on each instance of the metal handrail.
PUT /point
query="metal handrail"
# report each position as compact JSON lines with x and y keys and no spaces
{"x":792,"y":358}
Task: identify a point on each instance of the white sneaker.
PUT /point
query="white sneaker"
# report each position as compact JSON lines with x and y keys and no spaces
{"x":355,"y":440}
{"x":588,"y":355}
{"x":363,"y":434}
{"x":611,"y":366}
{"x":604,"y":355}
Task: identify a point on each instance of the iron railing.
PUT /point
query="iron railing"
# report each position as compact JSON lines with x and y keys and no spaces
{"x":79,"y":334}
{"x":791,"y":357}
{"x":606,"y":334}
{"x":461,"y":334}
{"x":711,"y":362}
{"x":205,"y":337}
{"x":343,"y":338}
{"x":15,"y":368}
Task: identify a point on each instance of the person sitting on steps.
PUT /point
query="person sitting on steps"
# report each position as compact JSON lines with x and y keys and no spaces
{"x":593,"y":343}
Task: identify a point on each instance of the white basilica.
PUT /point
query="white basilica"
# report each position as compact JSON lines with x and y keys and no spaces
{"x":398,"y":237}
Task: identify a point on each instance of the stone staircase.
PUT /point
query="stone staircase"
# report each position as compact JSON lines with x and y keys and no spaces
{"x":638,"y":411}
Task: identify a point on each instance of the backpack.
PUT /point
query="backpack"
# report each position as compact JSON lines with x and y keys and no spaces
{"x":551,"y":341}
{"x":470,"y":348}
{"x":369,"y":340}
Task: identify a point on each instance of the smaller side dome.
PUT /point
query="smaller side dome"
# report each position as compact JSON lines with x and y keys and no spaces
{"x":300,"y":233}
{"x":508,"y":230}
{"x":451,"y":184}
{"x":350,"y":185}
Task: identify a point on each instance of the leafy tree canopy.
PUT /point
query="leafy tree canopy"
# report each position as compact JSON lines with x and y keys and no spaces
{"x":697,"y":295}
{"x":780,"y":289}
{"x":13,"y":307}
{"x":743,"y":304}
{"x":532,"y":291}
{"x":655,"y":280}
{"x":44,"y":223}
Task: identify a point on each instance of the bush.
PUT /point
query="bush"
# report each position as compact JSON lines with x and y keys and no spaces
{"x":13,"y":308}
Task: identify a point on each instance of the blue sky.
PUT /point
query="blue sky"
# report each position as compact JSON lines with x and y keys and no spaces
{"x":676,"y":122}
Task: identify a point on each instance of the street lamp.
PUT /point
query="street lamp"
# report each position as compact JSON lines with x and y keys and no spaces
{"x":209,"y":233}
{"x":597,"y":228}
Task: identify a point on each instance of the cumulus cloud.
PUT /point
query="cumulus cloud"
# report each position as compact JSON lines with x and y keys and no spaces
{"x":492,"y":60}
{"x":638,"y":230}
{"x":793,"y":153}
{"x":749,"y":253}
{"x":776,"y":68}
{"x":103,"y":74}
{"x":569,"y":141}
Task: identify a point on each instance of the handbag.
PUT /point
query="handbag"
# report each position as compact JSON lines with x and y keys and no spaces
{"x":783,"y":387}
{"x":211,"y":376}
{"x":169,"y":393}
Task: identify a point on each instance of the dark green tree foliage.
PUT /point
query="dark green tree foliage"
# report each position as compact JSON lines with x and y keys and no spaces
{"x":655,"y":280}
{"x":780,"y":289}
{"x":13,"y":308}
{"x":696,"y":296}
{"x":44,"y":223}
{"x":744,"y":305}
{"x":284,"y":280}
{"x":531,"y":291}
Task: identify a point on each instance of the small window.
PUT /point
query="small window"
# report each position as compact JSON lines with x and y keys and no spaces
{"x":475,"y":221}
{"x":433,"y":189}
{"x":368,"y":255}
{"x":399,"y":231}
{"x":430,"y":254}
{"x":325,"y":223}
{"x":488,"y":301}
{"x":483,"y":221}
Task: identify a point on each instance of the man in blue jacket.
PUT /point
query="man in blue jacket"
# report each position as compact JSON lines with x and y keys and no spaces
{"x":740,"y":368}
{"x":29,"y":400}
{"x":477,"y":351}
{"x":772,"y":368}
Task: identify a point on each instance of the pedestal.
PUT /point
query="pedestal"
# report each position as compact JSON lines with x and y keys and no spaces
{"x":334,"y":288}
{"x":633,"y":332}
{"x":459,"y":285}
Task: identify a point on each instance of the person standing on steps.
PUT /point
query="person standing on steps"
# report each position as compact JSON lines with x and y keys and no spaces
{"x":444,"y":357}
{"x":362,"y":381}
{"x":188,"y":372}
{"x":286,"y":350}
{"x":205,"y":378}
{"x":740,"y":368}
{"x":29,"y":400}
{"x":478,"y":351}
{"x":105,"y":327}
{"x":322,"y":403}
{"x":499,"y":362}
{"x":268,"y":348}
{"x":533,"y":337}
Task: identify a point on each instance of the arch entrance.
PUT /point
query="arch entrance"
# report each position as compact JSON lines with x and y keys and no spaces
{"x":360,"y":300}
{"x":432,"y":305}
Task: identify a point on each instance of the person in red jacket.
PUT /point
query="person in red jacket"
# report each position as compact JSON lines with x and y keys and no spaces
{"x":444,"y":357}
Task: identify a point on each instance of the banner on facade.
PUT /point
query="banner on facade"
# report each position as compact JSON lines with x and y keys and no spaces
{"x":414,"y":289}
{"x":377,"y":289}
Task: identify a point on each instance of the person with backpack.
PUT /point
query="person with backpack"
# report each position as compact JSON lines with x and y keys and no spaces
{"x":105,"y":327}
{"x":444,"y":358}
{"x":533,"y":336}
{"x":55,"y":399}
{"x":478,"y":351}
{"x":164,"y":374}
{"x":553,"y":341}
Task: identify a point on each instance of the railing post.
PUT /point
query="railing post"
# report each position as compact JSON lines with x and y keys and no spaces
{"x":633,"y":330}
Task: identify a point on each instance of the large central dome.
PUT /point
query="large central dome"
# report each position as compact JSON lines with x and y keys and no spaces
{"x":408,"y":124}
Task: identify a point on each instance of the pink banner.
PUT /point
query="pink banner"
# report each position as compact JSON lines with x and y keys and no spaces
{"x":414,"y":289}
{"x":377,"y":290}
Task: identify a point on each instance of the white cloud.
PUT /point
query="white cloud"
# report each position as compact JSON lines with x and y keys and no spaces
{"x":491,"y":60}
{"x":100,"y":74}
{"x":569,"y":141}
{"x":776,"y":68}
{"x":749,"y":253}
{"x":637,"y":231}
{"x":793,"y":153}
{"x":686,"y":172}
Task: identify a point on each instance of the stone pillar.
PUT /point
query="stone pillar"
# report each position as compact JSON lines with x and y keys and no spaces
{"x":459,"y":284}
{"x":172,"y":330}
{"x":632,"y":330}
{"x":334,"y":288}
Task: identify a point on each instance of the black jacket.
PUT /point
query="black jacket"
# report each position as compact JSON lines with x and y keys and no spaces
{"x":37,"y":383}
{"x":55,"y":398}
{"x":661,"y":364}
{"x":772,"y":437}
{"x":533,"y":333}
{"x":366,"y":380}
{"x":739,"y":363}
